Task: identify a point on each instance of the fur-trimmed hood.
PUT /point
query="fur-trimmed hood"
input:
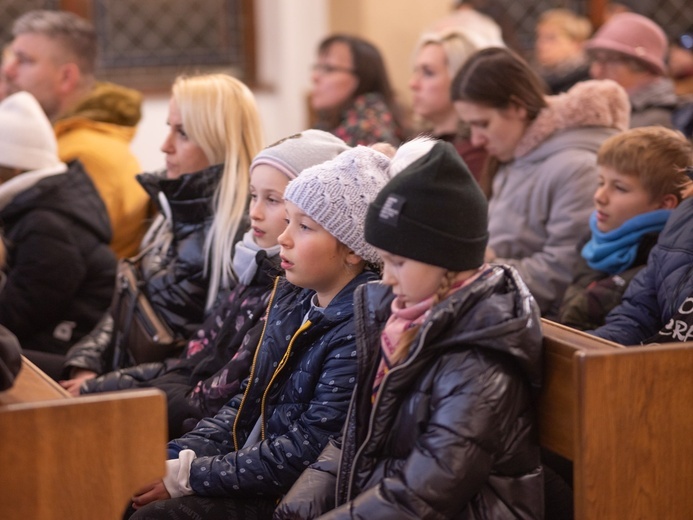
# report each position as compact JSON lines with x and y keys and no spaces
{"x":589,"y":103}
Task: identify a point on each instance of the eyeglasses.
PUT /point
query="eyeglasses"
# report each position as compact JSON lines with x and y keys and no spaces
{"x":604,"y":58}
{"x":324,"y":68}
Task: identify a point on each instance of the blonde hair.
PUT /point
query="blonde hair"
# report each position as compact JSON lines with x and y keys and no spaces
{"x":657,"y":156}
{"x":456,"y":46}
{"x":219,"y":114}
{"x":577,"y":28}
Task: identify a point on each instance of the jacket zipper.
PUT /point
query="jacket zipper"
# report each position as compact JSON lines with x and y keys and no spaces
{"x":252,"y":367}
{"x":354,"y":463}
{"x":281,"y":365}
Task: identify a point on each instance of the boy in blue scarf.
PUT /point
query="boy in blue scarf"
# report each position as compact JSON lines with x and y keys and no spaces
{"x":641,"y":175}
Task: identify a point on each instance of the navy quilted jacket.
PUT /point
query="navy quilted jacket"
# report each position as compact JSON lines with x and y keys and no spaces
{"x":300,"y":385}
{"x":656,"y":305}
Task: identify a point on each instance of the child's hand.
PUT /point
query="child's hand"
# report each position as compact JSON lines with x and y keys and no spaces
{"x":151,"y":493}
{"x":78,"y":377}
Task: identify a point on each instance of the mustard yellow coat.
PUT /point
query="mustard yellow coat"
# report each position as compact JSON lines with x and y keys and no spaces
{"x":98,"y":132}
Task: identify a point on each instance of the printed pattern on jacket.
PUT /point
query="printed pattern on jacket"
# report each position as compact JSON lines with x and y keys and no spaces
{"x":299,"y":390}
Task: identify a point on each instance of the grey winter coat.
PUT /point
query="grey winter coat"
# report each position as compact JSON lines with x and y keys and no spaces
{"x":541,"y":201}
{"x":452,"y":431}
{"x":653,"y":104}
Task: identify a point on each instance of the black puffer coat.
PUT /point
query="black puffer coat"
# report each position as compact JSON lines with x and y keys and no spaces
{"x":173,"y":270}
{"x":452,"y":431}
{"x":60,"y":270}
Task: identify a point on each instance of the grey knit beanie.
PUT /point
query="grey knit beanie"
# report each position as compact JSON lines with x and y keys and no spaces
{"x":297,"y":152}
{"x":336,"y":194}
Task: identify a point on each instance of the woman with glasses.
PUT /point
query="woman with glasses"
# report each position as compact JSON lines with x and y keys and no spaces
{"x":351,"y":93}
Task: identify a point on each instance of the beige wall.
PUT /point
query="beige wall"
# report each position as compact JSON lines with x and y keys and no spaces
{"x":393,"y":26}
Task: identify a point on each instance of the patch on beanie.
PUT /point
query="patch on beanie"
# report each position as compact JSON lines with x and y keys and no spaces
{"x":389,"y":213}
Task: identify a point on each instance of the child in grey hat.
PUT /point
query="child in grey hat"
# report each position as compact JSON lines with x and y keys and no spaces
{"x":243,"y":459}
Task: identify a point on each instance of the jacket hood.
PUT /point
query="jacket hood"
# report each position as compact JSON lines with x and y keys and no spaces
{"x":71,"y":193}
{"x":595,"y":103}
{"x":109,"y":103}
{"x":495,"y":312}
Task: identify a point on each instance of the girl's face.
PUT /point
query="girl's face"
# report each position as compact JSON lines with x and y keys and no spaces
{"x":314,"y":259}
{"x":497,"y":130}
{"x":267,"y":213}
{"x":333,"y":78}
{"x":621,"y":197}
{"x":411,"y":281}
{"x":182,"y":155}
{"x":430,"y":84}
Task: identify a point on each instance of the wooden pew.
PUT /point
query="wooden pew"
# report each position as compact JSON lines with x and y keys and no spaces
{"x":76,"y":458}
{"x":623,"y":416}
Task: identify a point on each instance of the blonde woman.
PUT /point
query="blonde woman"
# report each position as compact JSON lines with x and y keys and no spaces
{"x":437,"y":58}
{"x":214,"y":132}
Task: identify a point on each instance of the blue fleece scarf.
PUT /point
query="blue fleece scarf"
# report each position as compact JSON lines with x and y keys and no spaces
{"x":614,"y":251}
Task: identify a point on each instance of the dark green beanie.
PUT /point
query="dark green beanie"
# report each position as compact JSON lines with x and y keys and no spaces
{"x":433,"y":211}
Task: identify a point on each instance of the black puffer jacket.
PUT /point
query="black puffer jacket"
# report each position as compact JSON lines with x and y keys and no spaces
{"x":452,"y":431}
{"x":173,"y":269}
{"x":60,"y":270}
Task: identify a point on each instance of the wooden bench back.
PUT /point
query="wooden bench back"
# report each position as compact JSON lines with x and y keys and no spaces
{"x":622,"y":415}
{"x":77,"y":458}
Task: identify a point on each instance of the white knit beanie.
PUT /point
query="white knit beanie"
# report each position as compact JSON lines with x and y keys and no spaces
{"x":297,"y":152}
{"x":336,"y":194}
{"x":27,"y":140}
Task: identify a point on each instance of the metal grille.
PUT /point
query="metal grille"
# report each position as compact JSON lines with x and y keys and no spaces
{"x":136,"y":33}
{"x":518,"y":17}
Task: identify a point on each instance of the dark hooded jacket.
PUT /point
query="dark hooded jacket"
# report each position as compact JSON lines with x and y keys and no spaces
{"x":60,"y":271}
{"x":172,"y":268}
{"x":451,"y":432}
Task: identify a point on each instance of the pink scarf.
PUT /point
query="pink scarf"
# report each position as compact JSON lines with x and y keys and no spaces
{"x":403,"y":319}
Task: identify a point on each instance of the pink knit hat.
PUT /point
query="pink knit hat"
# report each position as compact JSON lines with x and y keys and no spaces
{"x":634,"y":36}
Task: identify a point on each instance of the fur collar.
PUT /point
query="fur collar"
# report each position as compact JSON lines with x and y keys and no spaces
{"x":588,"y":103}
